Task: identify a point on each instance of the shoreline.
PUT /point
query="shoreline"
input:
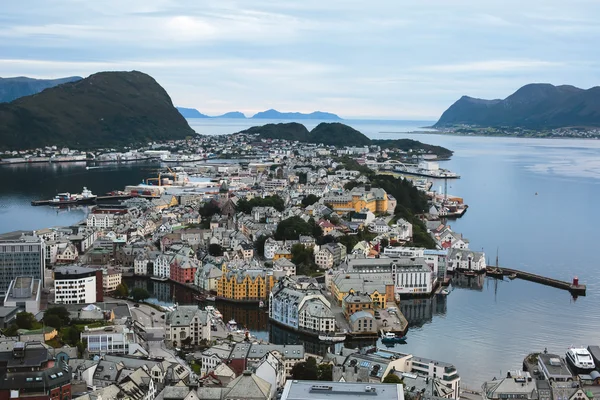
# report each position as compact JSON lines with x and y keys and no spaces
{"x":489,"y":136}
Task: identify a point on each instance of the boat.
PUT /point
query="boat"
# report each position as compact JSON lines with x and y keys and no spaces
{"x":88,"y":168}
{"x":338,"y":337}
{"x":159,"y":278}
{"x":199,"y":297}
{"x":232,"y":325}
{"x":445,"y":292}
{"x":494,"y":273}
{"x":512,"y":276}
{"x":470,"y":273}
{"x":211,"y":298}
{"x":580,"y":360}
{"x":85,"y":197}
{"x":390,"y":337}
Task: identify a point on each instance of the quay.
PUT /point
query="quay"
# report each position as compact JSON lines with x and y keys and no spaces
{"x":575,"y":288}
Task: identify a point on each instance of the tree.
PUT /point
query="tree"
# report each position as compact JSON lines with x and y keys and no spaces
{"x":25,"y":320}
{"x":71,"y":335}
{"x":259,"y":244}
{"x":310,"y":200}
{"x":302,"y":255}
{"x":292,"y":228}
{"x":383,"y":243}
{"x":61,"y":312}
{"x":306,"y":370}
{"x":302,"y":178}
{"x":216,"y":250}
{"x":53,"y":320}
{"x":139,"y":294}
{"x":122,"y":290}
{"x":325,"y":372}
{"x":392,"y":378}
{"x":209,"y":209}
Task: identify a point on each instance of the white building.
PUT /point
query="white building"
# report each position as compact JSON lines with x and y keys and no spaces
{"x":24,"y":292}
{"x":108,"y":339}
{"x":466,"y":260}
{"x":271,"y":369}
{"x":75,"y":285}
{"x":271,"y":247}
{"x":162,"y":265}
{"x":187,"y":322}
{"x":101,"y":221}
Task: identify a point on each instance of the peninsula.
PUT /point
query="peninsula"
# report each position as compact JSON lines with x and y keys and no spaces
{"x":538,"y":109}
{"x":338,"y":134}
{"x":14,"y":88}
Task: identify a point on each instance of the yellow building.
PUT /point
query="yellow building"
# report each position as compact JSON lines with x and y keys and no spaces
{"x":380,"y":291}
{"x":373,"y":199}
{"x":283,"y":253}
{"x":245,"y":284}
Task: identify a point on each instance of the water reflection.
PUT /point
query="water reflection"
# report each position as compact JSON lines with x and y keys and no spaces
{"x":419,"y":312}
{"x":468,"y":282}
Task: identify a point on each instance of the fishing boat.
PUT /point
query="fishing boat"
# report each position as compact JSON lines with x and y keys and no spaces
{"x":390,"y":337}
{"x":232,"y":325}
{"x":512,"y":276}
{"x":261,"y":304}
{"x":445,"y":292}
{"x":338,"y":337}
{"x":470,"y":273}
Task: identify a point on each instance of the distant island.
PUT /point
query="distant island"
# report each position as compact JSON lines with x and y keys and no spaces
{"x":268,"y":114}
{"x":534,"y":107}
{"x":107,"y":109}
{"x":14,"y":88}
{"x":338,"y":134}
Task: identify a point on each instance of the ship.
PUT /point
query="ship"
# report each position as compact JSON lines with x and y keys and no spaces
{"x":580,"y":360}
{"x":390,"y":337}
{"x":85,"y":197}
{"x":426,"y":169}
{"x":338,"y":337}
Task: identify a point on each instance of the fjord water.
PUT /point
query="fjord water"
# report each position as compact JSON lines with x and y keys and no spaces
{"x":483,"y":326}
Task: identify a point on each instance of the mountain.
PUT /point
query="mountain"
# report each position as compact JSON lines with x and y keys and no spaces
{"x":191,"y":113}
{"x":107,"y":109}
{"x":274,"y":114}
{"x":231,"y":114}
{"x":288,"y":131}
{"x":13,"y":88}
{"x":534,"y":106}
{"x":336,"y":134}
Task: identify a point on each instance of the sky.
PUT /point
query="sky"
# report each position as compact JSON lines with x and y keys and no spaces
{"x":375,"y":59}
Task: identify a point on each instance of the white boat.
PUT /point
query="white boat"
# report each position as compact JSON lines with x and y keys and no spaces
{"x":232,"y":325}
{"x":159,"y":278}
{"x":335,"y":338}
{"x":445,"y":292}
{"x":261,"y":304}
{"x":580,"y":360}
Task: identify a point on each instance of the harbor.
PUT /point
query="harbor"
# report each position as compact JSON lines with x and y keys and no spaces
{"x":575,"y":287}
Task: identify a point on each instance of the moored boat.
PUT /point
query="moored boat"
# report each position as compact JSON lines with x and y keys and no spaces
{"x":390,"y":337}
{"x":159,"y":278}
{"x":338,"y":337}
{"x":211,"y":298}
{"x":512,"y":276}
{"x":580,"y":360}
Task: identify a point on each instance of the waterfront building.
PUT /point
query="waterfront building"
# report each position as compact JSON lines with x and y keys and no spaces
{"x":78,"y":285}
{"x":319,"y":390}
{"x":162,"y":265}
{"x":301,"y":306}
{"x":187,"y":325}
{"x":272,"y":370}
{"x":410,"y":275}
{"x":29,"y":371}
{"x":21,"y":254}
{"x":379,"y":288}
{"x":356,"y":302}
{"x":207,"y":277}
{"x":25,"y":293}
{"x":554,"y":368}
{"x":108,"y":340}
{"x":246,"y":284}
{"x":330,"y":255}
{"x":516,"y":385}
{"x":363,"y":322}
{"x":183,"y":269}
{"x":465,"y":260}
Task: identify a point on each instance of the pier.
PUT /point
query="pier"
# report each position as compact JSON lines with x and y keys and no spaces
{"x":574,"y":287}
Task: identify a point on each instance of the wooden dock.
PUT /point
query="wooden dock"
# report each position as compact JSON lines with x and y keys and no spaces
{"x":574,"y":287}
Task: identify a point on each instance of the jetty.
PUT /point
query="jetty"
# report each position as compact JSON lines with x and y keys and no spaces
{"x":575,"y":287}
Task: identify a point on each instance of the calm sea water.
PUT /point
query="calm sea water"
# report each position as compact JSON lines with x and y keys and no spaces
{"x":484,"y":327}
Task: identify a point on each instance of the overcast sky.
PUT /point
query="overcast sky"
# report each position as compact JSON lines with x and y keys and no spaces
{"x":395,"y":58}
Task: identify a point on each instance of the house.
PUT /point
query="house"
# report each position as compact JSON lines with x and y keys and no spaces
{"x":330,"y":255}
{"x":108,"y":340}
{"x":284,"y":265}
{"x":465,"y":260}
{"x":247,"y":386}
{"x":187,"y":325}
{"x":319,"y":390}
{"x":516,"y":385}
{"x":355,"y":302}
{"x":207,"y":277}
{"x":272,"y":370}
{"x":362,"y":322}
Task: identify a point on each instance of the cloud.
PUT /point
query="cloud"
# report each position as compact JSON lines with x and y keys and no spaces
{"x":389,"y":58}
{"x":492,"y":66}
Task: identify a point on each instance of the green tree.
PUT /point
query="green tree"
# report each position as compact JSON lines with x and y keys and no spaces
{"x":215,"y":250}
{"x":122,"y":290}
{"x":246,"y":206}
{"x":302,"y":255}
{"x":392,"y":378}
{"x":383,"y":243}
{"x":139,"y":294}
{"x":72,"y":335}
{"x":293,"y":227}
{"x":209,"y":209}
{"x":61,"y":312}
{"x":11,"y":330}
{"x":25,"y":320}
{"x":325,"y":372}
{"x":54,"y":321}
{"x":306,"y":370}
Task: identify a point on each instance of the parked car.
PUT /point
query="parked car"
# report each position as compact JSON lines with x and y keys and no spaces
{"x":136,"y":305}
